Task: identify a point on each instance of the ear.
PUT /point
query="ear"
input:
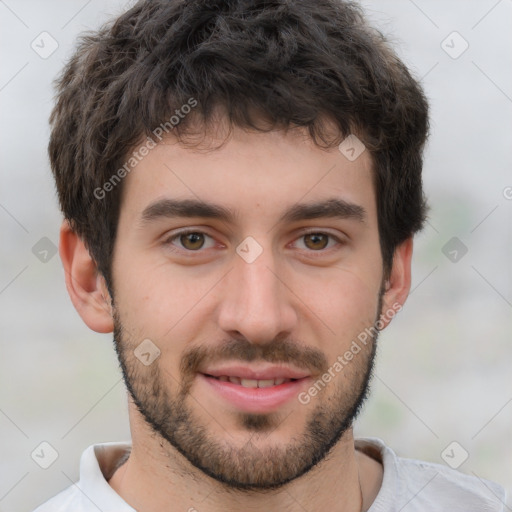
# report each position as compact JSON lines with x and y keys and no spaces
{"x":398,"y":285}
{"x":86,"y":287}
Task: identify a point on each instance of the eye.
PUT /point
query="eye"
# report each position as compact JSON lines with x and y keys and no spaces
{"x":191,"y":240}
{"x":318,"y":241}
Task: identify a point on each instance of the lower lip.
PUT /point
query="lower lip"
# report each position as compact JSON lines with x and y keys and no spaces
{"x":255,"y":400}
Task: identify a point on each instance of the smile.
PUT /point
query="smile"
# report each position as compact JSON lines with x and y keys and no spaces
{"x":251,"y":395}
{"x":252,"y":383}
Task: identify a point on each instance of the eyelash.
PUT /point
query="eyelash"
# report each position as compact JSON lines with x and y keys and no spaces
{"x":172,"y":247}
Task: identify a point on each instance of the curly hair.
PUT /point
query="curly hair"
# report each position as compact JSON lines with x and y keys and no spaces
{"x":265,"y":64}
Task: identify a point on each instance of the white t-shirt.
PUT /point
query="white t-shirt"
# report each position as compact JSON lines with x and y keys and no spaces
{"x":408,"y":485}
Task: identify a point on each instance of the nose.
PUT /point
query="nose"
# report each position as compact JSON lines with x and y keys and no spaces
{"x":257,"y":303}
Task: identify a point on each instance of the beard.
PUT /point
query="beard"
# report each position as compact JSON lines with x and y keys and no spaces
{"x":247,"y":468}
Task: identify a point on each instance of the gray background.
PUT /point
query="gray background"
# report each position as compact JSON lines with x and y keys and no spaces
{"x":443,"y":371}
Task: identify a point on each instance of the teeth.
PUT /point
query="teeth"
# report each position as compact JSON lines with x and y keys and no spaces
{"x":253,"y":383}
{"x":265,"y":383}
{"x":249,"y":383}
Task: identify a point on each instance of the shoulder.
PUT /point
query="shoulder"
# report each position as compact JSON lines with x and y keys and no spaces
{"x":427,"y":486}
{"x":68,"y":499}
{"x":92,"y":492}
{"x":432,"y":483}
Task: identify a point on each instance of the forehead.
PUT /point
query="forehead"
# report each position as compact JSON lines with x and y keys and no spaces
{"x":250,"y":173}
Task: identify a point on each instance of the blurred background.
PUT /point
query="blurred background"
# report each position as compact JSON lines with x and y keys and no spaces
{"x":443,"y":382}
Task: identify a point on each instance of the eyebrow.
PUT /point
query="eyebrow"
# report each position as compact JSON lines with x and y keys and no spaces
{"x":330,"y":208}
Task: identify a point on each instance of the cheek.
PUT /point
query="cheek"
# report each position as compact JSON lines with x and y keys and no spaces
{"x":338,"y":309}
{"x":161,"y":303}
{"x":343,"y":295}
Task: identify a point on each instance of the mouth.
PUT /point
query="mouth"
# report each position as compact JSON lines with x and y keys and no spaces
{"x":250,"y":390}
{"x":252,"y":383}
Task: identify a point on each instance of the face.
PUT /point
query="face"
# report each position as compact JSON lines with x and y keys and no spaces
{"x":251,"y":269}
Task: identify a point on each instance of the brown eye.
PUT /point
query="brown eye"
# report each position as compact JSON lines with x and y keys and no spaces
{"x":192,"y":241}
{"x":316,"y":241}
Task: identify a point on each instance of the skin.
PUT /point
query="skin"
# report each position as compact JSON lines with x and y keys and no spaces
{"x":319,"y":298}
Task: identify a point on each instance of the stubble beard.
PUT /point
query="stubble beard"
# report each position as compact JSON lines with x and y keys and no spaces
{"x":250,"y":468}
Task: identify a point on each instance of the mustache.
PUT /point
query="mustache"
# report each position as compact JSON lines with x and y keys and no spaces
{"x":284,"y":351}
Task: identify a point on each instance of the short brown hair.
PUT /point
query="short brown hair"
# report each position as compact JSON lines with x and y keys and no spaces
{"x":292,"y":63}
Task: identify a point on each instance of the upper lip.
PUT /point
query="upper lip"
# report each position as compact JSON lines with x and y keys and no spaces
{"x":256,"y":372}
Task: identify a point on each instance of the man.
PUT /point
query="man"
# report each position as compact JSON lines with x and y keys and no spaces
{"x":241,"y":182}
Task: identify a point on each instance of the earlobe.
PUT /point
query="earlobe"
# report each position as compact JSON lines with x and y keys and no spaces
{"x":86,"y":287}
{"x":397,"y":287}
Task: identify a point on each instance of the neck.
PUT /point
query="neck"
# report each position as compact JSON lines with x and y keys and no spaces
{"x":156,"y":477}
